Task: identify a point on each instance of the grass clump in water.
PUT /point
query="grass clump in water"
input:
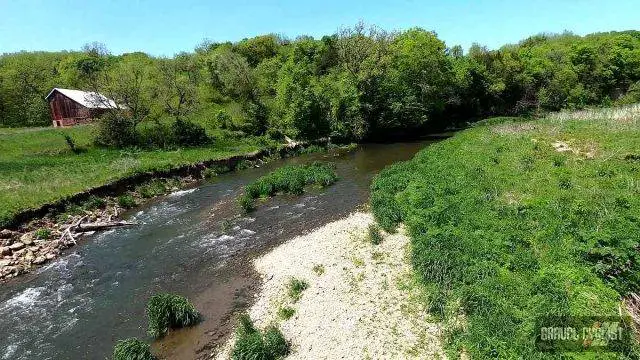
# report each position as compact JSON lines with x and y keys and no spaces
{"x":289,"y":179}
{"x":374,"y":234}
{"x":132,"y":349}
{"x":252,"y":343}
{"x":295,"y":287}
{"x":510,"y":248}
{"x":170,"y":311}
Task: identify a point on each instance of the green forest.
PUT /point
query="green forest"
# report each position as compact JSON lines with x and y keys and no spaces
{"x":361,"y":83}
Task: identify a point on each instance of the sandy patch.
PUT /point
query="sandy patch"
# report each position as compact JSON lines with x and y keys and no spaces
{"x":589,"y":153}
{"x":360,"y":307}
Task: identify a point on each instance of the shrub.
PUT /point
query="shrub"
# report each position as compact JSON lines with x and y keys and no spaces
{"x":132,"y":349}
{"x":117,"y":131}
{"x":126,"y":201}
{"x":157,"y":135}
{"x":169,"y":311}
{"x":224,"y":120}
{"x":375,"y":237}
{"x":253,"y":344}
{"x":187,"y":133}
{"x":295,"y":287}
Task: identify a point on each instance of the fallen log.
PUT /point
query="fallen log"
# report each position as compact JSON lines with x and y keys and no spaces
{"x":102,"y":225}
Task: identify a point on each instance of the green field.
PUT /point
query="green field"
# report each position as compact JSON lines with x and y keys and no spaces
{"x":514,"y":221}
{"x":37,"y":166}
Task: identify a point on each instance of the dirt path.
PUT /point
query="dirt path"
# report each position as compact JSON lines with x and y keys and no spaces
{"x":360,"y":305}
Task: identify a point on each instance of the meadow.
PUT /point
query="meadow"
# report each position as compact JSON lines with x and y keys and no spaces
{"x":516,"y":222}
{"x":38,"y":167}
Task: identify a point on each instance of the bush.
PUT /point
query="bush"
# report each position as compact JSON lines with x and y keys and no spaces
{"x":157,"y":135}
{"x":187,"y":133}
{"x":169,"y":311}
{"x":252,"y":344}
{"x":296,"y":287}
{"x":132,"y":349}
{"x":224,"y":120}
{"x":126,"y":201}
{"x":117,"y":131}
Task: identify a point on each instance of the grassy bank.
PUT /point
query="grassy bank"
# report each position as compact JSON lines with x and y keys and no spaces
{"x":38,"y":167}
{"x":513,"y":222}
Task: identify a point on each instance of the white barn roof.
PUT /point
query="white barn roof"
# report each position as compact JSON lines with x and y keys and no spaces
{"x":91,"y":100}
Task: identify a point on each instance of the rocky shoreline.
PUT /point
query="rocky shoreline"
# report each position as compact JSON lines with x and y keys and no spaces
{"x":44,"y":239}
{"x":41,"y":235}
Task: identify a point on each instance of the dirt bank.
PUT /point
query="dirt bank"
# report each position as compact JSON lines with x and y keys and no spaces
{"x":357,"y":306}
{"x":37,"y":236}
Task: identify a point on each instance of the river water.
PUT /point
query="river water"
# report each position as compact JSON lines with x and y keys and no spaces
{"x":194,"y":242}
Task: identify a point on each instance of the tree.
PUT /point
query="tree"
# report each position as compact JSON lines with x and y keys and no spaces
{"x":177,"y":85}
{"x":258,"y":49}
{"x":231,"y":74}
{"x":128,"y":83}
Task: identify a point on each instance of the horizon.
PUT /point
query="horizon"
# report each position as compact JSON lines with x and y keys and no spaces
{"x":162,"y":30}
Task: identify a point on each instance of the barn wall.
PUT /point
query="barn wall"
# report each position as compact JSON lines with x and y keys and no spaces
{"x":66,"y":112}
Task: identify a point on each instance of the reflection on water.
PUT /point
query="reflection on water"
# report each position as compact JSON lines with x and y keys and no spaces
{"x":188,"y":242}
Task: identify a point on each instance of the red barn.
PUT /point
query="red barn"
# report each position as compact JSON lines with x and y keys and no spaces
{"x":72,"y":107}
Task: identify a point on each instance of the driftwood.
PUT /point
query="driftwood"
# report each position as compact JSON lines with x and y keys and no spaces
{"x":67,"y":231}
{"x":102,"y":225}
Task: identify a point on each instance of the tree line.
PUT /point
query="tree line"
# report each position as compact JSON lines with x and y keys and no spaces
{"x":360,"y":83}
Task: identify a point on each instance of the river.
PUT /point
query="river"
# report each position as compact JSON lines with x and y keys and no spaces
{"x":194,"y":242}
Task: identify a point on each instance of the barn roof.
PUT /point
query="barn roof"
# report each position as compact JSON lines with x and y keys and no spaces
{"x":88,"y":99}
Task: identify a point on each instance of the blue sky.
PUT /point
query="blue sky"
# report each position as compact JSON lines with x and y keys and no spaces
{"x":164,"y":27}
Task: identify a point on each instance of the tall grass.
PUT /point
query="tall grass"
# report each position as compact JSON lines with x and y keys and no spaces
{"x":169,"y":311}
{"x":620,"y":115}
{"x":289,"y":179}
{"x":252,"y":343}
{"x":508,"y":235}
{"x":132,"y":349}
